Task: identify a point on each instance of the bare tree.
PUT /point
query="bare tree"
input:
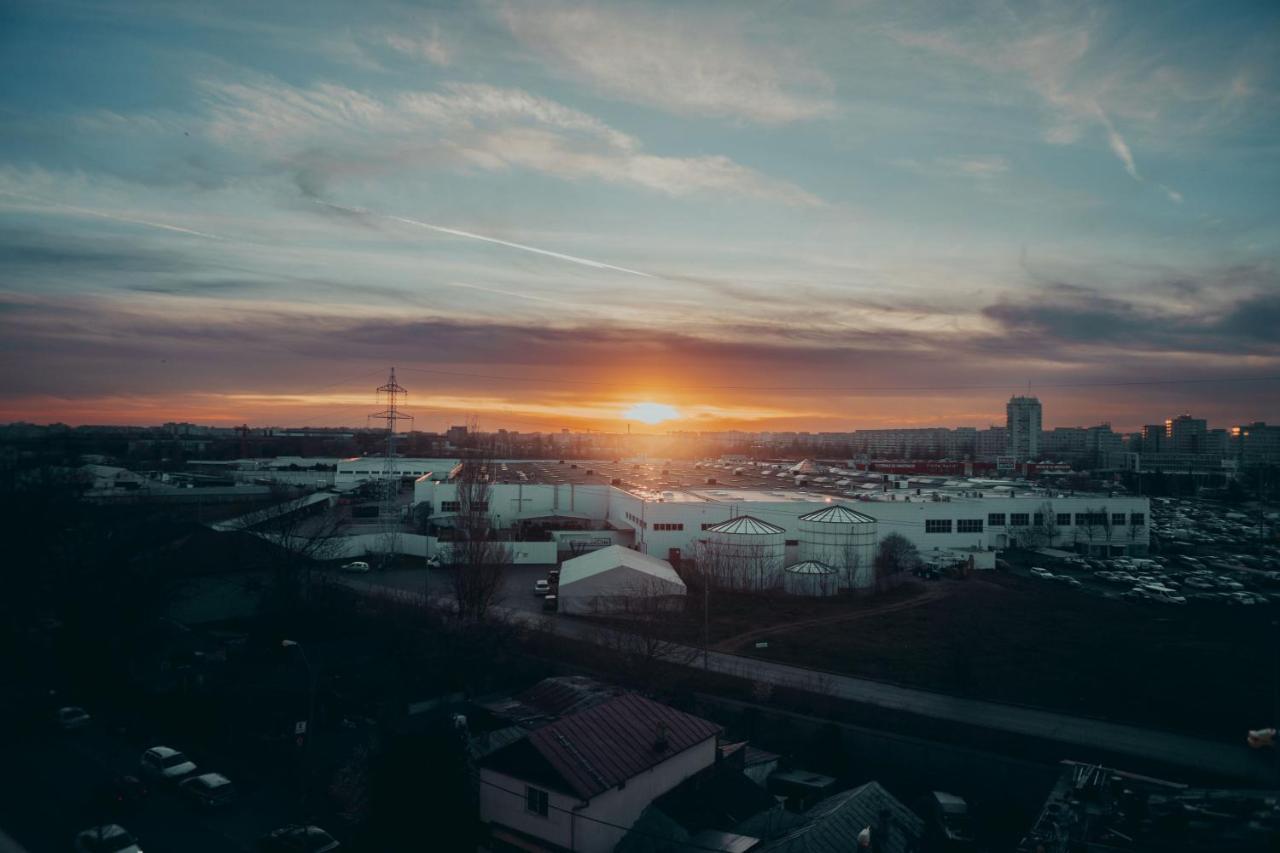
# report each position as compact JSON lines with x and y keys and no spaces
{"x":477,"y":554}
{"x":1097,"y":525}
{"x":749,"y":567}
{"x":1044,"y":530}
{"x":847,"y":571}
{"x":896,"y":554}
{"x":304,"y":530}
{"x":641,"y":633}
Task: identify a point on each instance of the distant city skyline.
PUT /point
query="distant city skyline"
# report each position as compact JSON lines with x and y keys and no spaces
{"x":548,"y":214}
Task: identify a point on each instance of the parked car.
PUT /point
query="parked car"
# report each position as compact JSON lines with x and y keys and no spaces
{"x":166,"y":765}
{"x":356,"y":566}
{"x":124,"y":792}
{"x":209,"y":790}
{"x":73,"y":717}
{"x":297,"y":839}
{"x":1069,"y":581}
{"x":108,"y":838}
{"x":541,"y":586}
{"x":1041,"y":572}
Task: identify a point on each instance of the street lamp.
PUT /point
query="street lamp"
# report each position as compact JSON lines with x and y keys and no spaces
{"x":311,"y":713}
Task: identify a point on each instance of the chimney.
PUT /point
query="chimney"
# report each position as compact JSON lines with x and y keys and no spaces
{"x":660,"y":738}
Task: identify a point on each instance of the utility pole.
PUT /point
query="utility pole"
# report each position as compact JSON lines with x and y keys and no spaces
{"x":390,"y":396}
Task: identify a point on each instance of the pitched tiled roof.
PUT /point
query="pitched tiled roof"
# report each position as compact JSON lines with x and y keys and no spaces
{"x":746,"y":525}
{"x":596,"y":749}
{"x":832,"y":825}
{"x":837,"y":514}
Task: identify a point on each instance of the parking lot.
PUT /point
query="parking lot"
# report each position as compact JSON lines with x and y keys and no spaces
{"x":1203,"y":554}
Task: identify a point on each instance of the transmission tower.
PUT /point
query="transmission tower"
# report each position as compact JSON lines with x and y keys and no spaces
{"x":390,"y":396}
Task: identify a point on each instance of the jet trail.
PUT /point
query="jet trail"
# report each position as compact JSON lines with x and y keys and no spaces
{"x":457,"y":233}
{"x":113,"y":216}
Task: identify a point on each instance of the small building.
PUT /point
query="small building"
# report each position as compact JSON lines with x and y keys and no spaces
{"x":810,"y":578}
{"x":579,"y":782}
{"x":835,"y":822}
{"x":618,"y":580}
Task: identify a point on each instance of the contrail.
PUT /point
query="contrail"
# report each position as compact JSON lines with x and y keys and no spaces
{"x":113,"y":216}
{"x":587,"y":262}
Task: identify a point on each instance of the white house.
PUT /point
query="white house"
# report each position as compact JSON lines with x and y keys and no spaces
{"x":576,"y":784}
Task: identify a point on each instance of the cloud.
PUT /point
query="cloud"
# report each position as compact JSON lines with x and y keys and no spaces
{"x":1056,"y":61}
{"x":431,"y":47}
{"x":327,"y":131}
{"x":980,"y":167}
{"x":679,"y":62}
{"x":1232,"y":314}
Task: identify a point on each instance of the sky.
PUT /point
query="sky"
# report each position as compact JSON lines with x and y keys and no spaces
{"x":764,"y":215}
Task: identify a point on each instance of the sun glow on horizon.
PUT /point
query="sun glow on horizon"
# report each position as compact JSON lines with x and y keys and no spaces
{"x":651,"y":413}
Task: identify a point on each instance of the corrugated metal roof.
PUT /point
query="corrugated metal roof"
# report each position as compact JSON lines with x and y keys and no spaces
{"x":597,"y":749}
{"x":810,"y":567}
{"x":837,"y":514}
{"x":747,"y":525}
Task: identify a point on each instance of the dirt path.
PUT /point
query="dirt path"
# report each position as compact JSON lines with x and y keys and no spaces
{"x":933,"y":592}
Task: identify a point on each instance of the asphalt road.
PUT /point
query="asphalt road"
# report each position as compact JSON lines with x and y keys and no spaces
{"x":52,"y":789}
{"x":1080,"y":736}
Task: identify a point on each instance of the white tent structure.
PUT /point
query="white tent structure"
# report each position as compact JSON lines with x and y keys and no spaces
{"x":618,"y":580}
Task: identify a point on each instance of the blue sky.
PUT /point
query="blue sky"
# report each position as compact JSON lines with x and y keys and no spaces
{"x":770,"y":215}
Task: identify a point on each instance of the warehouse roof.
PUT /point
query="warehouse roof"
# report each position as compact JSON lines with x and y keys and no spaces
{"x":746,"y":525}
{"x":837,"y":514}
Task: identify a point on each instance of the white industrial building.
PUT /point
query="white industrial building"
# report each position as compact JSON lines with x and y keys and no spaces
{"x":618,"y":580}
{"x":673,"y":525}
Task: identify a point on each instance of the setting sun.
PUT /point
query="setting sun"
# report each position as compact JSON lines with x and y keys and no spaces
{"x":651,"y":413}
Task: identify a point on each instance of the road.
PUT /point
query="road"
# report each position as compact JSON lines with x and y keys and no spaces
{"x":1079,"y":735}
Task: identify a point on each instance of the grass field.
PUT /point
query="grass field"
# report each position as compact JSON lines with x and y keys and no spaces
{"x":1208,"y":670}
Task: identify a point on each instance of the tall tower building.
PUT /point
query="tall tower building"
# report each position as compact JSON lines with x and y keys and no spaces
{"x":1024,"y":427}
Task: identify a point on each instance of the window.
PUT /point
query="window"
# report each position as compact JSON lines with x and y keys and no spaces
{"x":1019,"y":519}
{"x":1117,"y":519}
{"x":996,"y":519}
{"x":450,"y":506}
{"x":790,"y":543}
{"x":1138,"y":519}
{"x":668,"y":526}
{"x":937,"y":525}
{"x":1064,"y":519}
{"x":1039,"y":519}
{"x":708,"y":525}
{"x":535,"y":801}
{"x":969,"y":525}
{"x":1091,"y":519}
{"x":1081,"y":519}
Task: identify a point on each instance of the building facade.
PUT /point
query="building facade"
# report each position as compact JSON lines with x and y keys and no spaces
{"x":1023,"y":423}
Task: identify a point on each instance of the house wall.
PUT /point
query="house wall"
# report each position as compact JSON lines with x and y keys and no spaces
{"x":581,"y":832}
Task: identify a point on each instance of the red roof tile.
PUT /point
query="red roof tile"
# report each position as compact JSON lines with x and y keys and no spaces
{"x":599,"y":748}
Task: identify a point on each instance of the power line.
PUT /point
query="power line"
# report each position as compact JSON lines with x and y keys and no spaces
{"x":948,"y":387}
